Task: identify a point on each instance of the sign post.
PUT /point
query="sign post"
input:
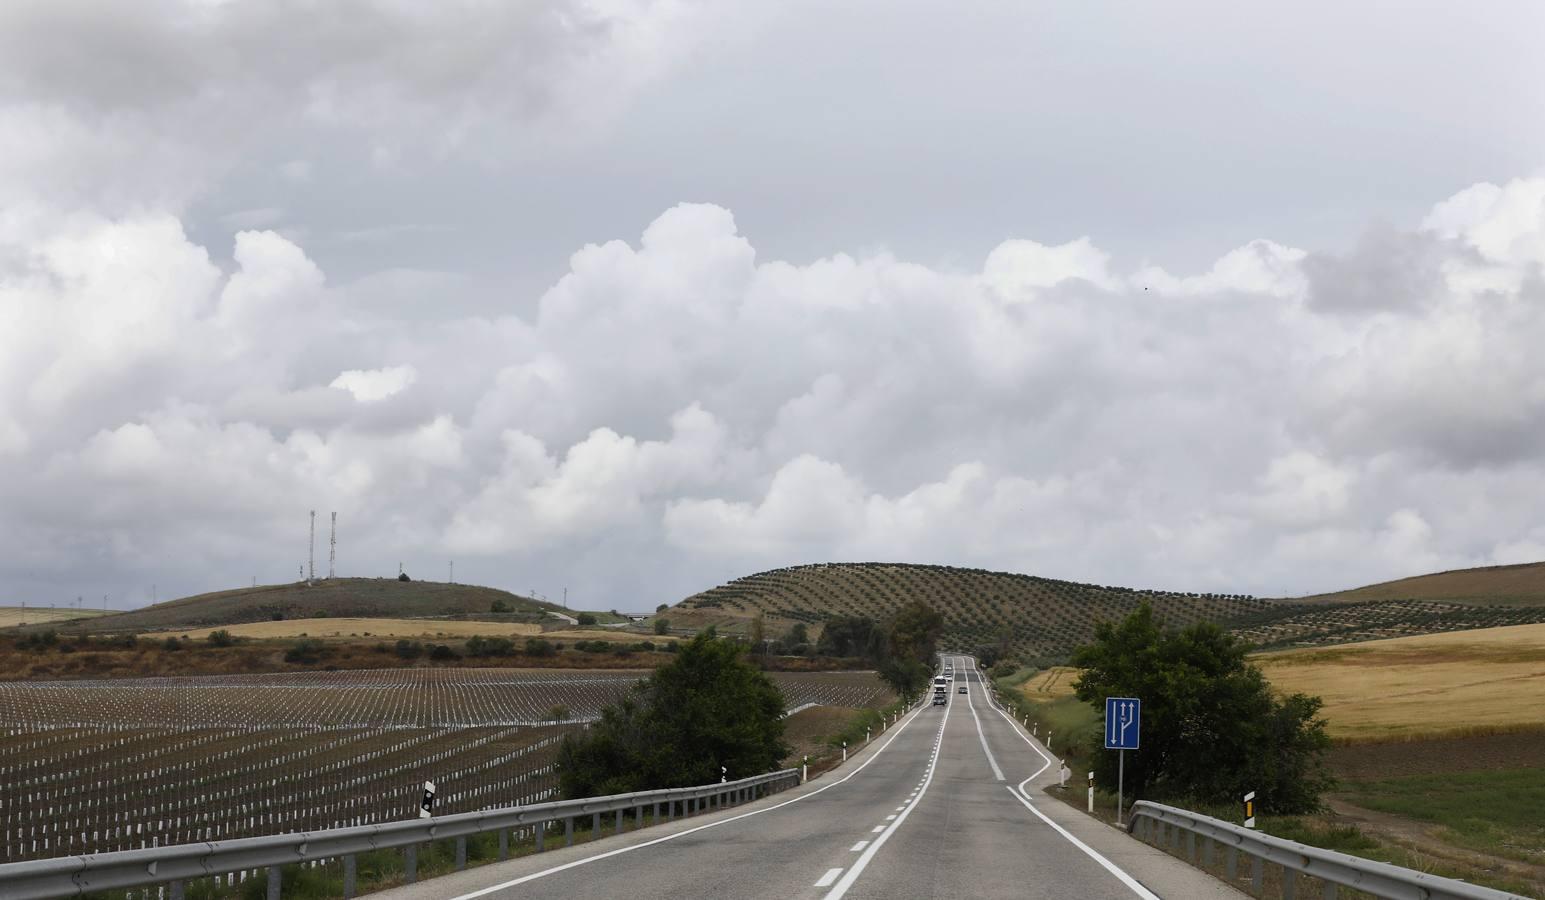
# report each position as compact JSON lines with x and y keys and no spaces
{"x":1123,"y":725}
{"x":426,"y":805}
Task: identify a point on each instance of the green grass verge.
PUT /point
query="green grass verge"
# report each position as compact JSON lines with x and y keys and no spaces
{"x":1497,"y":812}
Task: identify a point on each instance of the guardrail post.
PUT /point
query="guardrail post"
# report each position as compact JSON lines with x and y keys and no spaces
{"x":1330,"y":891}
{"x":619,"y":822}
{"x":461,"y":853}
{"x":1191,"y":845}
{"x":176,"y":890}
{"x":638,"y":817}
{"x":275,"y":880}
{"x":1233,"y":862}
{"x":656,"y":819}
{"x":348,"y":878}
{"x":595,"y":827}
{"x":1257,"y":874}
{"x":541,"y":835}
{"x":1289,"y":884}
{"x":410,"y":864}
{"x":504,"y":843}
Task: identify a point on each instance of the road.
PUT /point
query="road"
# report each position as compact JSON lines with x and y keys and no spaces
{"x":948,"y":803}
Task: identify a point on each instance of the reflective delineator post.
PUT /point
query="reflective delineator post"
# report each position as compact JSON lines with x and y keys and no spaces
{"x":1091,"y":792}
{"x":1250,"y":809}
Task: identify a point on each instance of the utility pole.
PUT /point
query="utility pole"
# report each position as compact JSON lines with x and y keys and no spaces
{"x":452,"y":577}
{"x":565,"y":598}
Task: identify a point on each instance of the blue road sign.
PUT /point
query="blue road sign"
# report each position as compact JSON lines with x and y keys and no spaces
{"x":1123,"y":722}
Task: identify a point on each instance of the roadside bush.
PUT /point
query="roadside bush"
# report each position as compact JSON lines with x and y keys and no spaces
{"x":621,"y":649}
{"x":499,"y":606}
{"x":305,"y":652}
{"x":38,"y":640}
{"x":662,"y":626}
{"x":442,"y":653}
{"x":558,"y":713}
{"x":484,"y":646}
{"x":646,"y":646}
{"x":707,"y":708}
{"x":662,"y":607}
{"x":1004,"y":669}
{"x":586,"y":618}
{"x":220,"y":638}
{"x":407,"y":649}
{"x":171,"y":644}
{"x":536,"y":646}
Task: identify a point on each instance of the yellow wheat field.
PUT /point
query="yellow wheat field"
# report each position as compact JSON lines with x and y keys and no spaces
{"x":1488,"y":679}
{"x":1050,"y":684}
{"x":15,"y":615}
{"x":347,"y":628}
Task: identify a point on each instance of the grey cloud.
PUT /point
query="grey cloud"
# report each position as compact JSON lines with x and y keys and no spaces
{"x":1389,"y":271}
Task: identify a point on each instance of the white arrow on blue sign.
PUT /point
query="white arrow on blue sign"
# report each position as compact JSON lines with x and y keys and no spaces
{"x":1123,"y":722}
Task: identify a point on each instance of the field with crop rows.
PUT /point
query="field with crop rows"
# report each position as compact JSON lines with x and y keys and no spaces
{"x":93,"y":766}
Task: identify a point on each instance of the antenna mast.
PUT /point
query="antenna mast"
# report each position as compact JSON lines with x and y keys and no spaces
{"x":332,"y":552}
{"x":311,"y":551}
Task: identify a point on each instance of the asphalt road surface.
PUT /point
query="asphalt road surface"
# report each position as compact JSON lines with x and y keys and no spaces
{"x":948,"y":803}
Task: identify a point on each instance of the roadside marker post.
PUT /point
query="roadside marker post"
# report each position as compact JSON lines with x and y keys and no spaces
{"x":426,"y":806}
{"x":1123,"y":729}
{"x":1250,"y":809}
{"x":804,"y":770}
{"x":1091,"y":792}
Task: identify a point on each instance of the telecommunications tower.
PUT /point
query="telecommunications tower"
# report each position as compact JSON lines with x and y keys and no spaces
{"x":311,"y":551}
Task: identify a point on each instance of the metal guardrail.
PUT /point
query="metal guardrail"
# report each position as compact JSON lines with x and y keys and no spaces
{"x":73,"y":876}
{"x":1163,"y":826}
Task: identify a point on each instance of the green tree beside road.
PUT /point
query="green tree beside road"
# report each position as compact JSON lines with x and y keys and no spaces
{"x":1212,"y":728}
{"x":707,"y":708}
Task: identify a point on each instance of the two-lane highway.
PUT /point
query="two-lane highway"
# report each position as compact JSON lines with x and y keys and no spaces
{"x":948,"y":803}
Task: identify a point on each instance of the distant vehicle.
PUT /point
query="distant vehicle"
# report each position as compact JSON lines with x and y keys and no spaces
{"x":940,"y":698}
{"x":962,"y":689}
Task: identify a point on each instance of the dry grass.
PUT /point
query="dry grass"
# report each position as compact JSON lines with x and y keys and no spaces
{"x":1050,"y":684}
{"x":358,"y":628}
{"x":615,"y":635}
{"x":1430,"y":685}
{"x":1519,"y":585}
{"x":32,"y":615}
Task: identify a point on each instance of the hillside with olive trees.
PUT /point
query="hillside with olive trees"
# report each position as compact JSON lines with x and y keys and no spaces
{"x":1042,"y":619}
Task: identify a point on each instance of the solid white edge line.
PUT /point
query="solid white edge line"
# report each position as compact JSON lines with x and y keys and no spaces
{"x":1092,"y":853}
{"x":842,"y":887}
{"x":481,"y":892}
{"x":1023,"y":797}
{"x":829,"y":877}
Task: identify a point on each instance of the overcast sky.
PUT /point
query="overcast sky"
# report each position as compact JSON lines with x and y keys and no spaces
{"x":635,"y":297}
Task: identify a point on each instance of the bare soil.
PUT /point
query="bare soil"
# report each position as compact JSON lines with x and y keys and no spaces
{"x":1368,"y":761}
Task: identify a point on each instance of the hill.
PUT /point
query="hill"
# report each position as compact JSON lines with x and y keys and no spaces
{"x":1034,"y":618}
{"x":1516,"y":585}
{"x":338,"y":597}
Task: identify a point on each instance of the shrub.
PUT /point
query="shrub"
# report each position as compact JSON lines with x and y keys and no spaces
{"x":305,"y":652}
{"x":558,"y":713}
{"x":442,"y":653}
{"x":662,"y":626}
{"x":662,"y":607}
{"x":403,"y":576}
{"x":409,"y":649}
{"x":646,"y":646}
{"x":495,"y":646}
{"x":536,"y":646}
{"x":220,"y":638}
{"x":1004,"y":669}
{"x":38,"y":640}
{"x":586,"y":618}
{"x":499,"y":606}
{"x":171,"y":643}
